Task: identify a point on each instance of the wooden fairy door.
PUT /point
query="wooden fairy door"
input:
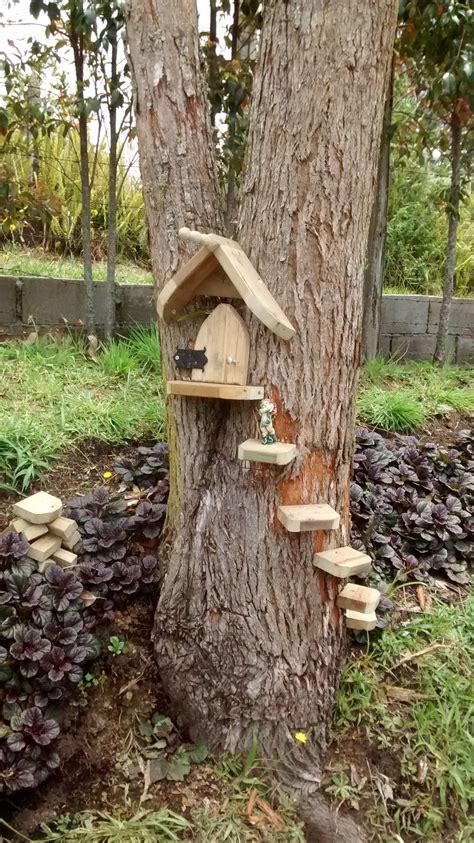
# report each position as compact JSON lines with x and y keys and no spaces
{"x":226,"y":339}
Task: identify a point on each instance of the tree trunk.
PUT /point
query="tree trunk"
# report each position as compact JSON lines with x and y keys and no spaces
{"x":440,"y":355}
{"x":85,"y":186}
{"x":247,"y":635}
{"x":112,"y":190}
{"x":375,"y":261}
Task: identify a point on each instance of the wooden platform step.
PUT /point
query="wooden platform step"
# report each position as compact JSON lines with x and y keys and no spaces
{"x":40,"y":508}
{"x":278,"y":453}
{"x":343,"y":562}
{"x":227,"y":391}
{"x":305,"y":517}
{"x":44,"y":547}
{"x":360,"y":620}
{"x":358,"y":598}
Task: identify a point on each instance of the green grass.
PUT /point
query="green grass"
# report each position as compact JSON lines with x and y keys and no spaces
{"x":401,"y":396}
{"x":435,"y":729}
{"x":28,"y":261}
{"x":52,"y":396}
{"x":100,"y":827}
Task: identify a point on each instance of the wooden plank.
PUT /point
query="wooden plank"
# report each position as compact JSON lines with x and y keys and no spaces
{"x":63,"y":527}
{"x":70,"y":545}
{"x":64,"y":557}
{"x":342,"y":562}
{"x":40,"y":508}
{"x":360,"y":620}
{"x":183,"y":286}
{"x":359,"y":598}
{"x":278,"y":453}
{"x":44,"y":547}
{"x":227,"y":391}
{"x":252,"y":289}
{"x":28,"y":532}
{"x":226,"y":339}
{"x":304,"y":517}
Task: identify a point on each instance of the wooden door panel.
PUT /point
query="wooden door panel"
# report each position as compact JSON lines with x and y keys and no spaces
{"x":226,"y":339}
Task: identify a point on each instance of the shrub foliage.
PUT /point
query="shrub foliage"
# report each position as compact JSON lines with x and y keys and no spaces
{"x":411,"y":504}
{"x":49,"y":619}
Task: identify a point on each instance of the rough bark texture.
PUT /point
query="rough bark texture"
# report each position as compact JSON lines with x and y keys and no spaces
{"x":247,"y":635}
{"x":453,"y":221}
{"x":375,"y":259}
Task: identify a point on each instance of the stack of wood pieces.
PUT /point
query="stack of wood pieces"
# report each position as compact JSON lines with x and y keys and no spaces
{"x":360,"y":603}
{"x":52,"y":538}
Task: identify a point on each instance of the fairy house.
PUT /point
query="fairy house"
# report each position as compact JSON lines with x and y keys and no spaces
{"x":219,"y":360}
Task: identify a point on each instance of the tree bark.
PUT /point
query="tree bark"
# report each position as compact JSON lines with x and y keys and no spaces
{"x":375,"y":261}
{"x":248,"y":638}
{"x":112,"y":190}
{"x":440,"y":355}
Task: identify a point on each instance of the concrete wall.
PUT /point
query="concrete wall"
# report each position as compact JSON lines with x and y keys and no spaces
{"x":53,"y":302}
{"x":409,"y":323}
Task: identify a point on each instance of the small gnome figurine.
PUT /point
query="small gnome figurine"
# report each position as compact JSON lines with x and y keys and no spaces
{"x":266,"y":411}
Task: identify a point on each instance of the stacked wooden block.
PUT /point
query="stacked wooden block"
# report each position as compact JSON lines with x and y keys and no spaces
{"x":51,"y":537}
{"x":358,"y":601}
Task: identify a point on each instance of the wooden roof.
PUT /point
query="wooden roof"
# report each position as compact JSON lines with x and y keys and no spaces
{"x":221,"y":268}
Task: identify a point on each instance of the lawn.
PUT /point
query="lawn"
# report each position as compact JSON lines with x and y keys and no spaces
{"x":52,"y":397}
{"x":29,"y":261}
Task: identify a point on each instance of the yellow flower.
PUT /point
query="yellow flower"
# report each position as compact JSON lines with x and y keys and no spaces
{"x":301,"y":737}
{"x":107,"y":474}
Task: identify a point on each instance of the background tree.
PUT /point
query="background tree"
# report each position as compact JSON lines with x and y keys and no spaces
{"x":437,"y":39}
{"x":375,"y":259}
{"x":248,"y":640}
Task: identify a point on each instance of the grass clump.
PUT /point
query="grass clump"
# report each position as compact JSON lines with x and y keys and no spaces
{"x":53,"y":396}
{"x":433,"y":732}
{"x":101,"y":827}
{"x":401,"y":396}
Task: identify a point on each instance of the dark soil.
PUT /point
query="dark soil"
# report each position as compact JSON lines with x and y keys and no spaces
{"x":80,"y":469}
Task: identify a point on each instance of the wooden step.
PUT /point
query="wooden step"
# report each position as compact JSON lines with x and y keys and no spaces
{"x":64,"y":557}
{"x":360,"y":620}
{"x":44,"y":547}
{"x":40,"y":508}
{"x":343,"y":562}
{"x":28,"y":532}
{"x":278,"y":453}
{"x":227,"y":391}
{"x":63,"y":527}
{"x":359,"y":598}
{"x":305,"y":517}
{"x":70,"y":545}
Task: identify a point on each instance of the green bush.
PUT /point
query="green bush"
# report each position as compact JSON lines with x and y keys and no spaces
{"x":417,"y":232}
{"x":49,"y":212}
